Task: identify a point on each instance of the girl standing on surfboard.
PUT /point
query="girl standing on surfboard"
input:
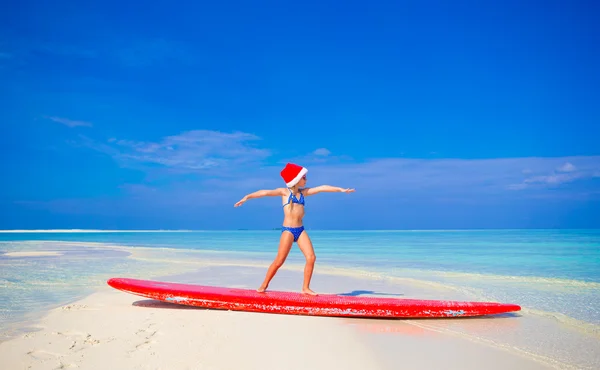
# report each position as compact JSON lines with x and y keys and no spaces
{"x":292,"y":230}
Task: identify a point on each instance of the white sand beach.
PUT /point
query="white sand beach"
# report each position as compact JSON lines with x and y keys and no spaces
{"x":114,"y":330}
{"x":33,"y":254}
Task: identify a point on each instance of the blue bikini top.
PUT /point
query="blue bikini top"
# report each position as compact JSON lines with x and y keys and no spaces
{"x":292,"y":198}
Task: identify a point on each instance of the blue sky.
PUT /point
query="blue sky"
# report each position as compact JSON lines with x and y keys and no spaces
{"x":440,"y":114}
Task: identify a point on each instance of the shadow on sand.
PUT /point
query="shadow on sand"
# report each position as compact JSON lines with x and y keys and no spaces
{"x":152,"y":303}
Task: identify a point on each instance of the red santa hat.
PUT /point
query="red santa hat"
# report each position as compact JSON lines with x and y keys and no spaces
{"x":292,"y":174}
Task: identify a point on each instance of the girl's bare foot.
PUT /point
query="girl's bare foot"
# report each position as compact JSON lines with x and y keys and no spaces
{"x":308,"y":291}
{"x":261,"y":289}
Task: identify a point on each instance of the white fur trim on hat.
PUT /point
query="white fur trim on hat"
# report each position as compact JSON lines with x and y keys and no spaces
{"x":298,"y":177}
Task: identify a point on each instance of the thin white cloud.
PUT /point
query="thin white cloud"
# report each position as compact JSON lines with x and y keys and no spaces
{"x":564,"y":172}
{"x":553,"y":179}
{"x":567,"y":167}
{"x":405,"y":177}
{"x":318,"y":156}
{"x":232,"y":159}
{"x":229,"y":165}
{"x":322,"y":152}
{"x":69,"y":122}
{"x":516,"y":186}
{"x":189,"y":151}
{"x":381,"y":182}
{"x":437,"y":178}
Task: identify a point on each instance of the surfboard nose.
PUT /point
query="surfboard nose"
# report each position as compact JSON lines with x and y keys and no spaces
{"x":115,"y":282}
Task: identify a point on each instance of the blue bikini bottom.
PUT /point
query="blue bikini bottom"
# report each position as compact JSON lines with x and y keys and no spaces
{"x":296,"y":231}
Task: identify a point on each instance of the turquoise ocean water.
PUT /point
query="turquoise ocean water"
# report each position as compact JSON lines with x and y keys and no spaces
{"x":553,"y":272}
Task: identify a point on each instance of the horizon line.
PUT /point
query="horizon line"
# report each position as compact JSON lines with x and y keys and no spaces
{"x":17,"y":231}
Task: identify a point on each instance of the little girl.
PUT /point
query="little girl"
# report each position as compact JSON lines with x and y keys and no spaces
{"x":293,"y":230}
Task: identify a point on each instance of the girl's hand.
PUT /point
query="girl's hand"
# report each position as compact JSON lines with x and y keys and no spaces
{"x":240,"y":202}
{"x":348,"y":190}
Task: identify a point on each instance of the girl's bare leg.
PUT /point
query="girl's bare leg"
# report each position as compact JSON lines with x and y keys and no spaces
{"x":285,"y":245}
{"x":306,"y":247}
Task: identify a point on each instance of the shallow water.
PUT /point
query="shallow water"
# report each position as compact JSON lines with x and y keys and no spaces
{"x":553,"y":274}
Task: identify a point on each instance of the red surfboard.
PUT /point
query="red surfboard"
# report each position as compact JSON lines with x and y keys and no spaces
{"x":302,"y":304}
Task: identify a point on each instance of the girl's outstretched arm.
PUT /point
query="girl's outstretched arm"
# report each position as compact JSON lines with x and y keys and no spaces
{"x":326,"y":189}
{"x":260,"y":194}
